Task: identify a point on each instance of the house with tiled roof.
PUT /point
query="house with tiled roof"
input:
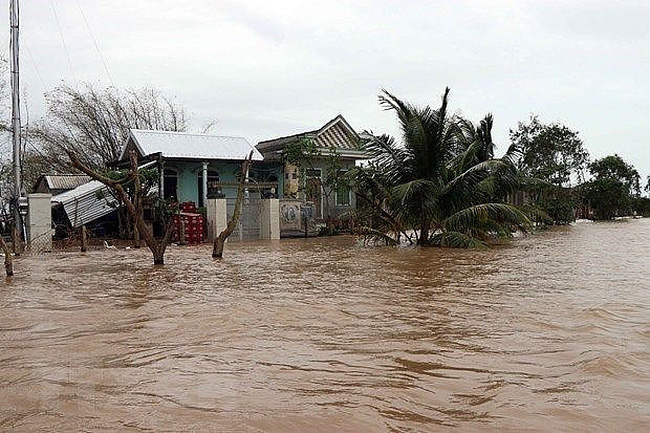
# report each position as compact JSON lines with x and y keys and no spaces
{"x":336,"y":137}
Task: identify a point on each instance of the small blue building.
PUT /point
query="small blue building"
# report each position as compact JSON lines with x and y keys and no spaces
{"x":195,"y":166}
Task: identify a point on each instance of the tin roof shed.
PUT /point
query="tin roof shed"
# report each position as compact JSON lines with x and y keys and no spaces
{"x":58,"y":183}
{"x":85,"y":203}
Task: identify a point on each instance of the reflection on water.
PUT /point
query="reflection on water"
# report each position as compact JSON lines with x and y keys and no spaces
{"x":549,"y":333}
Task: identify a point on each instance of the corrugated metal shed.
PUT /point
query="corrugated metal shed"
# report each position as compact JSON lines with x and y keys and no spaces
{"x":83,"y":205}
{"x":57,"y":183}
{"x":87,"y":202}
{"x":191,"y":146}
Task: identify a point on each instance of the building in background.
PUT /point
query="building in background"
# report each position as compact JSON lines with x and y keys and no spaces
{"x":337,"y":138}
{"x":59,"y":183}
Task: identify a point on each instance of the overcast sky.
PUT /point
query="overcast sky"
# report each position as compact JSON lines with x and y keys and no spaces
{"x":264,"y":69}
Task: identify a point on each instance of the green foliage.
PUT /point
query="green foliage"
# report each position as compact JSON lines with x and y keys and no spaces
{"x":328,"y":231}
{"x":614,"y":187}
{"x":614,"y":167}
{"x":641,"y":205}
{"x":608,"y":198}
{"x":443,"y":186}
{"x":301,"y":152}
{"x":561,"y":210}
{"x":551,"y":152}
{"x":557,"y":203}
{"x":305,"y":155}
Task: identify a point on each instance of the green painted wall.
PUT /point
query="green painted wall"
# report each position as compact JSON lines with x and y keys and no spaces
{"x":189,"y":172}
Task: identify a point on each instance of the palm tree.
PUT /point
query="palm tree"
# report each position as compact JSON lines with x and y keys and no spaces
{"x":442,"y":186}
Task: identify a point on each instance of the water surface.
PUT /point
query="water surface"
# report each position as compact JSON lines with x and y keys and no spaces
{"x":548,"y":333}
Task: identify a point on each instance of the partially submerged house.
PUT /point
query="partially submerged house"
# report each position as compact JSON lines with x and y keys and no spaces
{"x":335,"y":138}
{"x":194,"y":166}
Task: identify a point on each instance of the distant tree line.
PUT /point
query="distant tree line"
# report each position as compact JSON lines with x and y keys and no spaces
{"x":569,"y":184}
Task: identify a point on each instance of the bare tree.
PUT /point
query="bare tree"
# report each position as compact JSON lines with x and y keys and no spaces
{"x":219,"y":241}
{"x":94,"y":123}
{"x":132,"y":204}
{"x":9,"y":260}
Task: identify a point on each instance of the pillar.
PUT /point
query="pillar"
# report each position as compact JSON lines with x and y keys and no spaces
{"x":216,"y":211}
{"x":161,"y":184}
{"x":39,"y":222}
{"x":270,"y":219}
{"x":204,"y":181}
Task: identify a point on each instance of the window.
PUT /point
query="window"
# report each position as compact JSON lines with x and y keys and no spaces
{"x":343,"y":193}
{"x":213,"y":177}
{"x":170,"y":183}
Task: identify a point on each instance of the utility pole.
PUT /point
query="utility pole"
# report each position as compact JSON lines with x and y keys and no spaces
{"x":15,"y":110}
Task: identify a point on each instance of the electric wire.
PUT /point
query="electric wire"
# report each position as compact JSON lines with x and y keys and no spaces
{"x":36,"y":68}
{"x":92,"y":36}
{"x":65,"y":46}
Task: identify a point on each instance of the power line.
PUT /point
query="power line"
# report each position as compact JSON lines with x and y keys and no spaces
{"x":95,"y":43}
{"x":65,"y":46}
{"x":36,"y":68}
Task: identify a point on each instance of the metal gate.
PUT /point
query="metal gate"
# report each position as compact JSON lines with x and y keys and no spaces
{"x":249,"y":221}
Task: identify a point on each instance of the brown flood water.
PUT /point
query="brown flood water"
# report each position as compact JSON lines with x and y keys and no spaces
{"x":549,"y":333}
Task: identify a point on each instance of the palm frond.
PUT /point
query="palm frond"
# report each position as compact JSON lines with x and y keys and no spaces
{"x":456,"y":240}
{"x":478,"y":215}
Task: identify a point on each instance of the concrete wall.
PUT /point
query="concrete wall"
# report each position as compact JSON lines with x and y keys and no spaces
{"x":216,"y":214}
{"x":39,"y":222}
{"x":270,"y":219}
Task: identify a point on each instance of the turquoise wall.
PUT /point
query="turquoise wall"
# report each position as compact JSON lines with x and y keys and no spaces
{"x":188,"y":172}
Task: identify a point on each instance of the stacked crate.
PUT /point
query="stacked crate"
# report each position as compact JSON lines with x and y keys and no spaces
{"x":187,"y":207}
{"x":194,"y":227}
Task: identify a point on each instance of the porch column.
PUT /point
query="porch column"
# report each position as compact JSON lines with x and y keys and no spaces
{"x":161,"y":182}
{"x":205,"y":183}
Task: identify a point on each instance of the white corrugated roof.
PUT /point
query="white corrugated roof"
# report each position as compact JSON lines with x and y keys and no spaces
{"x":87,"y":202}
{"x":65,"y":181}
{"x":82,"y":204}
{"x":194,"y":146}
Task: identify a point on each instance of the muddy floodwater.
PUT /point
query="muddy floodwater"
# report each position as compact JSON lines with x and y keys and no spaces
{"x":549,"y":333}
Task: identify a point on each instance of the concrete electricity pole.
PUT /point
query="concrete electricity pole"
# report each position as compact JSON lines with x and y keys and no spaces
{"x":15,"y":110}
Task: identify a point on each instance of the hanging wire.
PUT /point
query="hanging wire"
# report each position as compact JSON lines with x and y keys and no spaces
{"x":92,"y":36}
{"x":65,"y":46}
{"x":36,"y":68}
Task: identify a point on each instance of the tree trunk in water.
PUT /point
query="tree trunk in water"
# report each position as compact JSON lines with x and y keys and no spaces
{"x":217,"y":250}
{"x":219,"y":241}
{"x":83,"y":239}
{"x":133,"y":208}
{"x":159,"y":256}
{"x":424,"y":233}
{"x":9,"y":260}
{"x":136,"y":238}
{"x":17,"y":243}
{"x":181,"y":234}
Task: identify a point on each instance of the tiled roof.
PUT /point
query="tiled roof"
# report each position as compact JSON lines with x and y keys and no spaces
{"x":336,"y":133}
